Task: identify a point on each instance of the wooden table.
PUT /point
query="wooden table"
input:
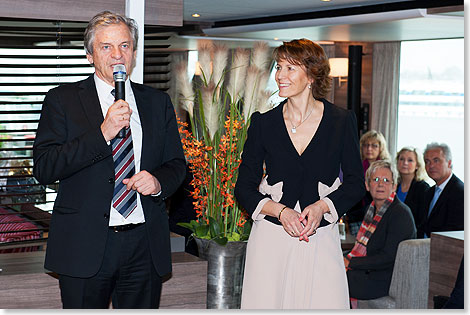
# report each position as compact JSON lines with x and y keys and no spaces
{"x":447,"y":249}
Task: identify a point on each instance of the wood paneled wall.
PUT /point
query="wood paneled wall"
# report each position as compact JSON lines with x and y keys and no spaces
{"x":157,"y":12}
{"x":341,"y":92}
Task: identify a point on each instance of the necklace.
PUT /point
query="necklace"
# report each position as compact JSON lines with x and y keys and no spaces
{"x":294,"y":128}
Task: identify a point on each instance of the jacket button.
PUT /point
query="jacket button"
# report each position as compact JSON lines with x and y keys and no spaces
{"x":111,"y":180}
{"x":106,"y":216}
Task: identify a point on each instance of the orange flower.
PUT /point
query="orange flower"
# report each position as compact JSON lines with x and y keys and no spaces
{"x":214,"y":166}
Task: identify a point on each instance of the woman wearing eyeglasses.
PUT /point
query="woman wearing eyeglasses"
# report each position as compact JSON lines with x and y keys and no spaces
{"x":373,"y":147}
{"x":387,"y":222}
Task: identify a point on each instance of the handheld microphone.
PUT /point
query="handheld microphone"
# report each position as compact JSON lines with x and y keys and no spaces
{"x":119,"y":76}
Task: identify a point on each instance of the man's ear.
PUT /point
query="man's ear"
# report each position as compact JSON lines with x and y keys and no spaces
{"x":89,"y":58}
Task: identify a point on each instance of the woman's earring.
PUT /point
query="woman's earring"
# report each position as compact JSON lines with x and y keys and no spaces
{"x":309,"y":86}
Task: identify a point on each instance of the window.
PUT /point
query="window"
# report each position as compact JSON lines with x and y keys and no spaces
{"x":431,"y":97}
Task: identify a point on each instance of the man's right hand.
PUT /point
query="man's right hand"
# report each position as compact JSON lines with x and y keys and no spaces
{"x":117,"y":117}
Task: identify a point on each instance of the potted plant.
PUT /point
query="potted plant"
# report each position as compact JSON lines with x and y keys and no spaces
{"x":219,"y":116}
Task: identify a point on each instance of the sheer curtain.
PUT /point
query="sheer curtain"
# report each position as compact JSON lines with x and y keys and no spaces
{"x":385,"y":78}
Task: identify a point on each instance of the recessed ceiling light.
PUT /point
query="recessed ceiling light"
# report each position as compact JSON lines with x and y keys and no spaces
{"x":196,"y":15}
{"x":275,"y":38}
{"x":325,"y":0}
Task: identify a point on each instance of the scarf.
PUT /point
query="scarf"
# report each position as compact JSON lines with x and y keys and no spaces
{"x":368,"y":226}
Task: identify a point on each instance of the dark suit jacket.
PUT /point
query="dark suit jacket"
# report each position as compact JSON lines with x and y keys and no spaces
{"x":448,"y":212}
{"x":416,"y":198}
{"x":370,"y":276}
{"x":70,"y":147}
{"x":334,"y":145}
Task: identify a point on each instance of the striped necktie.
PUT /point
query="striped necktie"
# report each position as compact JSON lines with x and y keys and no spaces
{"x":124,"y":201}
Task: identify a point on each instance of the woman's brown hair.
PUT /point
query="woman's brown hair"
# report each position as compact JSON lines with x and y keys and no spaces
{"x":312,"y":57}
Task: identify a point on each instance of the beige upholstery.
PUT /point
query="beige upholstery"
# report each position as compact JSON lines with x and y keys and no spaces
{"x":410,"y":279}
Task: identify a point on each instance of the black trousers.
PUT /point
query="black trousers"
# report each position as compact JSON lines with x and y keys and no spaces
{"x":127,"y":276}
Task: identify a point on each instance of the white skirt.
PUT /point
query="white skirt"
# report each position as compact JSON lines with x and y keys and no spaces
{"x":282,"y":272}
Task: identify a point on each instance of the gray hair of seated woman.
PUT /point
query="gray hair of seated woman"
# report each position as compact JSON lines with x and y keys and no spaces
{"x":382,"y":164}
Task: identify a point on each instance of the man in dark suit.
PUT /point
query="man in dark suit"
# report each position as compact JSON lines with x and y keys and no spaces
{"x":109,"y":235}
{"x":444,"y":206}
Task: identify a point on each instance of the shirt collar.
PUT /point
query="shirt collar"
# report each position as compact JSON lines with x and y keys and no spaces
{"x":106,"y":89}
{"x":443,"y":185}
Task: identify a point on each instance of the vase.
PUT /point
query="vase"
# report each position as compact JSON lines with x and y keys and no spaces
{"x":225,"y":266}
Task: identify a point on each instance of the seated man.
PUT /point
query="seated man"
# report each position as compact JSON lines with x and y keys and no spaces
{"x":387,"y":222}
{"x":444,"y":201}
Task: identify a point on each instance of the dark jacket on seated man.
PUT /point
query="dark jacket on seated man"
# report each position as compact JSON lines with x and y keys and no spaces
{"x":448,"y":211}
{"x":370,"y":275}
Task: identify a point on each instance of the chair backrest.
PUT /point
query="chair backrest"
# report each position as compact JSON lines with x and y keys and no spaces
{"x":410,"y":279}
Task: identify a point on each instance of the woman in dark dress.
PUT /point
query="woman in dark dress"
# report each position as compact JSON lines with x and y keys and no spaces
{"x":412,"y":187}
{"x":294,"y":258}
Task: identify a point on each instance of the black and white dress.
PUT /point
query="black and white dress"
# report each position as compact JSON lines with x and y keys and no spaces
{"x":282,"y":272}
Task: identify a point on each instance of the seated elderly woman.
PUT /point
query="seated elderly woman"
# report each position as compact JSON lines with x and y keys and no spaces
{"x":387,"y":222}
{"x":373,"y":148}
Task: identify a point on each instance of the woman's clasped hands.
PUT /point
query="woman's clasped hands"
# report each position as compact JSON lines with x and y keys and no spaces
{"x":304,"y":224}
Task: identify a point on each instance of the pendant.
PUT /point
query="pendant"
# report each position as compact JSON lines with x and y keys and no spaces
{"x":293,"y":130}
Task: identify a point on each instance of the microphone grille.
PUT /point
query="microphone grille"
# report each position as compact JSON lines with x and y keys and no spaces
{"x":119,"y":72}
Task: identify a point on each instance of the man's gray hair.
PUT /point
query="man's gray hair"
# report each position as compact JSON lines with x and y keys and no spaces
{"x":382,"y":164}
{"x":440,"y":146}
{"x":106,"y":18}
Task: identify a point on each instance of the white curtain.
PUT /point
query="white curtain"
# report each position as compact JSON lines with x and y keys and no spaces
{"x":385,"y":78}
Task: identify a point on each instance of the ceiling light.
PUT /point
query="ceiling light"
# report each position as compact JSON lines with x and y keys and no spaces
{"x":325,"y":0}
{"x":196,"y":15}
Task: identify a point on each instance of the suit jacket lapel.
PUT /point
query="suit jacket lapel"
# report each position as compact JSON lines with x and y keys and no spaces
{"x":143,"y":103}
{"x":90,"y":101}
{"x":443,"y":196}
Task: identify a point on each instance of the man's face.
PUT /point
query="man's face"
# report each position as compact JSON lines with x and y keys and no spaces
{"x":112,"y":45}
{"x":436,"y":165}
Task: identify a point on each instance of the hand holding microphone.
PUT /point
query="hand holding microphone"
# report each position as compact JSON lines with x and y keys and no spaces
{"x":118,"y":115}
{"x":119,"y":76}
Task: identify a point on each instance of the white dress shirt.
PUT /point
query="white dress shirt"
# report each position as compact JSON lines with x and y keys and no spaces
{"x":106,"y":100}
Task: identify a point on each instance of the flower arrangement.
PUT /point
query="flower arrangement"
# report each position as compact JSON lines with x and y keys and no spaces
{"x":219,"y":116}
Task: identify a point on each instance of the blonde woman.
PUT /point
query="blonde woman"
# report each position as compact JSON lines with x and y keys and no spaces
{"x":412,"y":186}
{"x":373,"y":148}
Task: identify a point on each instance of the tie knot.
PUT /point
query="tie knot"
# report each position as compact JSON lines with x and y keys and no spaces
{"x":113,"y":92}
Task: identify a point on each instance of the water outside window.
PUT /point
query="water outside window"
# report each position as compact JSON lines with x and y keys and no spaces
{"x":431,"y":99}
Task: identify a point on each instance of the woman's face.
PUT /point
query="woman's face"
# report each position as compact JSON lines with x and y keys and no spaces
{"x":371,"y":150}
{"x":380,"y":185}
{"x":291,"y":79}
{"x":407,"y":163}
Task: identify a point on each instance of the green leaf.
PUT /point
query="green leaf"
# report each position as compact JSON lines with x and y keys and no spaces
{"x":202,"y":230}
{"x":195,"y":224}
{"x":221,"y":240}
{"x":187,"y":225}
{"x":214,"y":227}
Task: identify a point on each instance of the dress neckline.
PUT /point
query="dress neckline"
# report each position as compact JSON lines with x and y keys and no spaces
{"x":312,"y":139}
